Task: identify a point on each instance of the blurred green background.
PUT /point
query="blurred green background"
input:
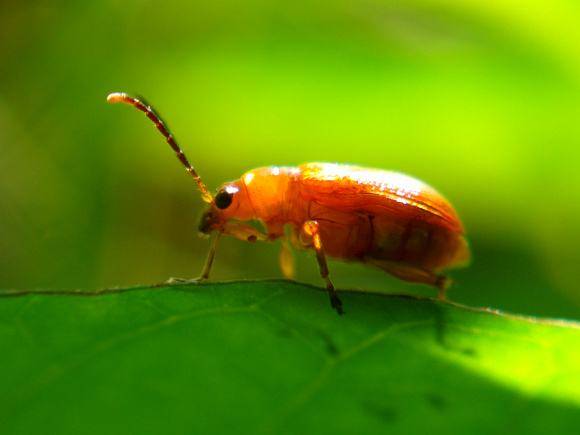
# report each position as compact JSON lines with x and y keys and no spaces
{"x":479,"y":99}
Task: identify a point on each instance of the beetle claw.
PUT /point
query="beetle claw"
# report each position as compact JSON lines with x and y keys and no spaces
{"x":173,"y":280}
{"x":442,"y":283}
{"x":336,"y":303}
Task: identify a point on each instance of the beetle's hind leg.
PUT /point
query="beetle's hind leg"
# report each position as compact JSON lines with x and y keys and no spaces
{"x":311,"y":229}
{"x":442,"y":283}
{"x":410,"y":273}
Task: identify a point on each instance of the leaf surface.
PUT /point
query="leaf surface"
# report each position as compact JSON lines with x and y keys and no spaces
{"x":272,"y":357}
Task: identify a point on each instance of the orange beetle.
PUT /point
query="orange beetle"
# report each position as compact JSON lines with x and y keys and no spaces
{"x":385,"y":219}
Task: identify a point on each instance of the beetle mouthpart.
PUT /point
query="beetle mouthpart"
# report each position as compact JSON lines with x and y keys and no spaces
{"x":207,"y":223}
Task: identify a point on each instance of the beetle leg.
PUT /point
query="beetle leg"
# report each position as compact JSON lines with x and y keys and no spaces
{"x":210,"y":257}
{"x":411,"y":273}
{"x":244,"y":232}
{"x":206,"y":267}
{"x":442,"y":283}
{"x":286,"y":260}
{"x":311,"y":228}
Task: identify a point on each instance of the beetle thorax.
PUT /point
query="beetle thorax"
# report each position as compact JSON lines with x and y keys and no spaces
{"x":268,"y":191}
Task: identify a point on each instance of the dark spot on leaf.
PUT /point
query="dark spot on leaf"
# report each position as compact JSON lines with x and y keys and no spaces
{"x":385,"y":413}
{"x":285,"y":332}
{"x":441,"y":335}
{"x":331,"y":347}
{"x":436,"y":401}
{"x":469,"y":351}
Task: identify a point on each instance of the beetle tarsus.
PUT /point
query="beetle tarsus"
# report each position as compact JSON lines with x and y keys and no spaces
{"x":173,"y":280}
{"x":442,"y":283}
{"x":335,"y":302}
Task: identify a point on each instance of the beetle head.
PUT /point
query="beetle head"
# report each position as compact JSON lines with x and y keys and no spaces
{"x":230,"y":204}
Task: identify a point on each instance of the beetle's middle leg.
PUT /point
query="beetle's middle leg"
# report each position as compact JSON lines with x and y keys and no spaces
{"x":311,"y":229}
{"x":286,"y":260}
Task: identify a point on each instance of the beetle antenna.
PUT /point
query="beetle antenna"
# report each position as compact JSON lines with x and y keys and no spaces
{"x":139,"y":103}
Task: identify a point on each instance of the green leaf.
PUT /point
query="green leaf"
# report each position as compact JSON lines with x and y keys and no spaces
{"x":272,"y":357}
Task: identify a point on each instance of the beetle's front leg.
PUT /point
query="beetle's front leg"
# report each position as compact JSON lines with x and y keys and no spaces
{"x":244,"y":232}
{"x":206,"y":267}
{"x":238,"y":230}
{"x":312,"y":229}
{"x":209,"y":260}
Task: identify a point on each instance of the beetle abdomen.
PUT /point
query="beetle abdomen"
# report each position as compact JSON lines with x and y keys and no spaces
{"x":363,"y":237}
{"x":417,"y":243}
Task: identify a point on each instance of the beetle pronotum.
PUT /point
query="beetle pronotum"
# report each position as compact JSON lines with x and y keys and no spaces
{"x":384,"y":219}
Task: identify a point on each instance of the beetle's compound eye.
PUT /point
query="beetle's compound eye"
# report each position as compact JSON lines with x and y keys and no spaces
{"x":223,"y":199}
